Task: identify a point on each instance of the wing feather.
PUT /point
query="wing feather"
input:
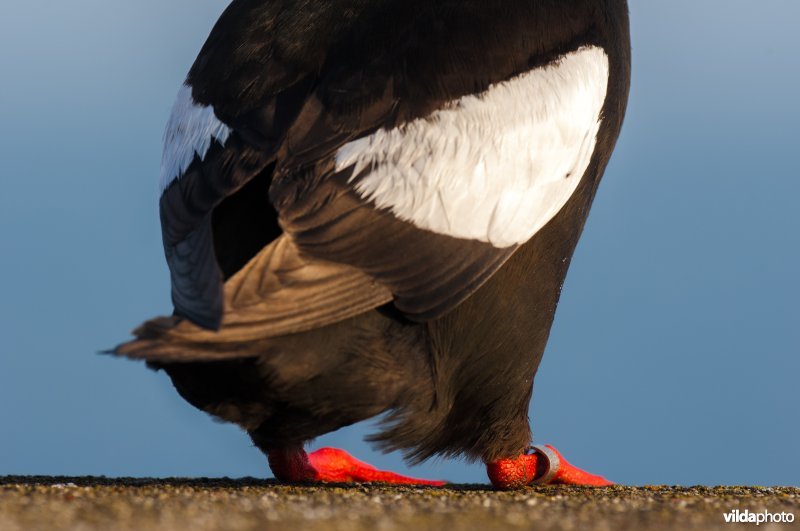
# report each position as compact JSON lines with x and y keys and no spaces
{"x":296,"y":85}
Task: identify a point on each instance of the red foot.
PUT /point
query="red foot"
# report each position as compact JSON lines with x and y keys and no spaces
{"x":543,"y":466}
{"x":331,"y":465}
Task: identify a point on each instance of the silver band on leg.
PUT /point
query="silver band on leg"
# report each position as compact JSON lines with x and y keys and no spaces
{"x":553,"y":464}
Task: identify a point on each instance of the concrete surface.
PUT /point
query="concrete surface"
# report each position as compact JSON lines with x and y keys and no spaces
{"x":56,"y":503}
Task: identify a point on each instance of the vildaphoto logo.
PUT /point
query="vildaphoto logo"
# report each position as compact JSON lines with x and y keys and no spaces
{"x":764,"y":517}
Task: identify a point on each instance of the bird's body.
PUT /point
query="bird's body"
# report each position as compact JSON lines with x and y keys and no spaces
{"x":369,"y":207}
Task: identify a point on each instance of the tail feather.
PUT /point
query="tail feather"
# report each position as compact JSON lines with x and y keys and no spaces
{"x":278,"y":293}
{"x":157,"y":340}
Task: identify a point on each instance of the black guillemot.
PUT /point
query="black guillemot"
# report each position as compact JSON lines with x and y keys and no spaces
{"x":369,"y":207}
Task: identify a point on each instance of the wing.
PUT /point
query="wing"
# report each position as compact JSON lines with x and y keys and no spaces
{"x":384,"y":130}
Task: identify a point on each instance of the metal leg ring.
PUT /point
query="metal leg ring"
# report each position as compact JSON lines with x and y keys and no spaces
{"x":553,"y":464}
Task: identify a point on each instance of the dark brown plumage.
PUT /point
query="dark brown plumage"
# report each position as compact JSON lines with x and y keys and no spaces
{"x":369,"y":314}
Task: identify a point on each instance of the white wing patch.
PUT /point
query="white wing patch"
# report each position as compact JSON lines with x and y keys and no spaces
{"x":495,"y":166}
{"x":189,"y":132}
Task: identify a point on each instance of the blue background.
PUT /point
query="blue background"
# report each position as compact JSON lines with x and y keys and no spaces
{"x":674,"y":357}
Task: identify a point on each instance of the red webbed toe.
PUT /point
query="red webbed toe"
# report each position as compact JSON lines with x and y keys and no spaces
{"x":332,"y":465}
{"x":544,"y":466}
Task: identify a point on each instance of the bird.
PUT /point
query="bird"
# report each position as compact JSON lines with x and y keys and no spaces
{"x":368,"y":209}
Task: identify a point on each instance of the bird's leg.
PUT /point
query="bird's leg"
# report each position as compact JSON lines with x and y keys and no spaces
{"x":331,"y":465}
{"x":544,"y":465}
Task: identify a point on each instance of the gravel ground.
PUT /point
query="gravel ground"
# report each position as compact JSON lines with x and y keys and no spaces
{"x":56,"y":503}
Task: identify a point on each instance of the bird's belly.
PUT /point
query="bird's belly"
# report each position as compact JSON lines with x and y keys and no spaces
{"x":494,"y":166}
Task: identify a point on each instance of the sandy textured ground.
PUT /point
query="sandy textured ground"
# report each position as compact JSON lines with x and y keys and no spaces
{"x":46,"y":503}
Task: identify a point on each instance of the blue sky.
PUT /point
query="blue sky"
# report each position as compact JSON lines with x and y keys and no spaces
{"x":676,"y":349}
